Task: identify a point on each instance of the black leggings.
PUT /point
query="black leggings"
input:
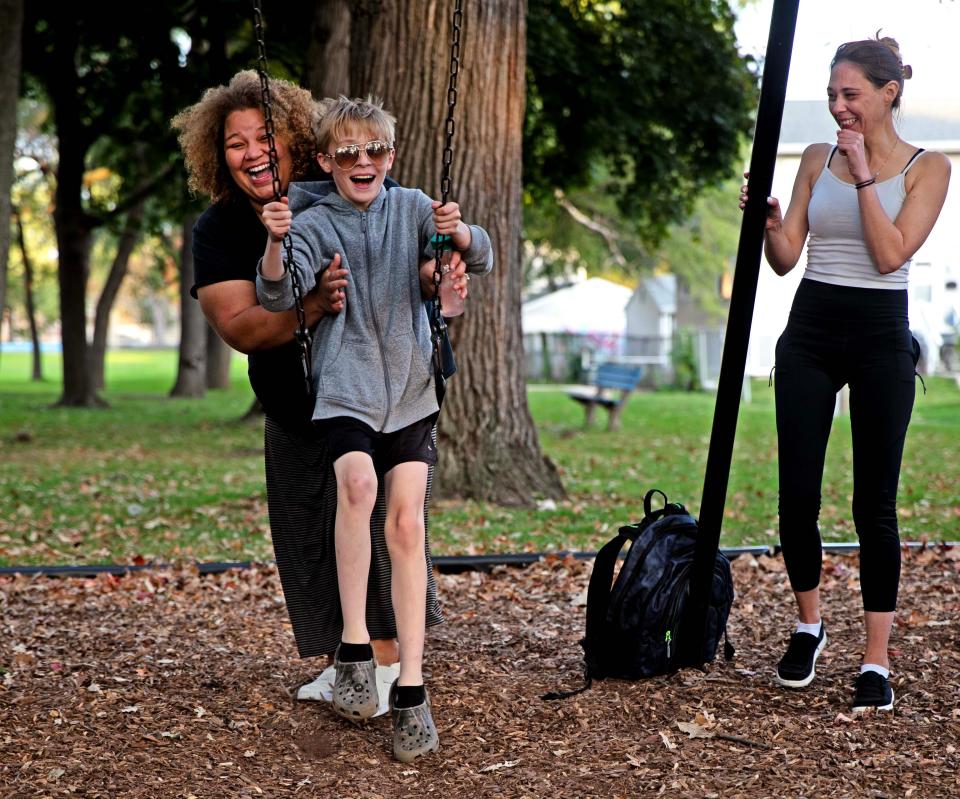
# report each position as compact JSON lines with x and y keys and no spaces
{"x":861,"y":337}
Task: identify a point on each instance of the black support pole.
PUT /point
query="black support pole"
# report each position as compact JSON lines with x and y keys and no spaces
{"x":769,"y":116}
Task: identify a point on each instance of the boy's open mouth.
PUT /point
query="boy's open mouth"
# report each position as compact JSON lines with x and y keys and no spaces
{"x":362,"y":180}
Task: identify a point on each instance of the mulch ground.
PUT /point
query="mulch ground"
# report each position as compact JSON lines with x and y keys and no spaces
{"x":169,"y":684}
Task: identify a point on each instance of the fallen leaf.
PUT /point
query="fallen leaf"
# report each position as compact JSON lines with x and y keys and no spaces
{"x":498,"y":766}
{"x":666,"y":740}
{"x":694,"y":730}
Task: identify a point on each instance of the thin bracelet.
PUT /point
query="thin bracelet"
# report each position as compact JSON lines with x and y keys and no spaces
{"x":865,"y":183}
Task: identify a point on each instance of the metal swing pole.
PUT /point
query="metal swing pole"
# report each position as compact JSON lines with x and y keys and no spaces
{"x":749,"y":251}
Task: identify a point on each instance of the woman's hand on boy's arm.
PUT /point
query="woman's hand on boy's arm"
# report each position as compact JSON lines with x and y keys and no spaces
{"x":329,"y":296}
{"x":448,"y":221}
{"x":460,"y":277}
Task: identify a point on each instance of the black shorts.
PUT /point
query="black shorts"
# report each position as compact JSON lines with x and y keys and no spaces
{"x":411,"y":443}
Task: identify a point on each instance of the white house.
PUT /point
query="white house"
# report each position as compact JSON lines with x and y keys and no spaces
{"x":590,"y":307}
{"x":652,"y":310}
{"x":562,"y":328}
{"x":935,"y":273}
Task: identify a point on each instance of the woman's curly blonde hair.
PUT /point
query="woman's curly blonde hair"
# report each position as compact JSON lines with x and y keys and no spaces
{"x":201,"y":128}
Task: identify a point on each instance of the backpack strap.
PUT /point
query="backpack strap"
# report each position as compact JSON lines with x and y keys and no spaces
{"x":651,"y":515}
{"x":728,"y":650}
{"x":598,"y":603}
{"x":601,"y":581}
{"x":647,"y":510}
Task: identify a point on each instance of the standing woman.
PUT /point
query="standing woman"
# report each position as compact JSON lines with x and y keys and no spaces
{"x":866,"y":203}
{"x":225,"y":148}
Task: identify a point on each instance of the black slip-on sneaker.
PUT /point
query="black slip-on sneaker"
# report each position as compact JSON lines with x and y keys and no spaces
{"x":873,"y":692}
{"x":797,"y":667}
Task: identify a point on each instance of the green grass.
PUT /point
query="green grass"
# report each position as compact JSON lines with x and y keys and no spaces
{"x":155,"y":478}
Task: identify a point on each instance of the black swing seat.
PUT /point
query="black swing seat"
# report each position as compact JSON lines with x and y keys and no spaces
{"x":610,"y":388}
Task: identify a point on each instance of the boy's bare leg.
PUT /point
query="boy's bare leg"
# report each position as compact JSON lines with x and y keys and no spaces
{"x":356,"y":495}
{"x":406,"y":488}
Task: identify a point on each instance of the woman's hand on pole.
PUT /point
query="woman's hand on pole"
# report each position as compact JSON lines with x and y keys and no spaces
{"x":774,"y":219}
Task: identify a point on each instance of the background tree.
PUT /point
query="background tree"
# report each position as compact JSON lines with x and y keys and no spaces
{"x":30,"y":306}
{"x":95,"y":64}
{"x":11,"y":12}
{"x":31,"y":269}
{"x":635,"y":108}
{"x":192,"y":362}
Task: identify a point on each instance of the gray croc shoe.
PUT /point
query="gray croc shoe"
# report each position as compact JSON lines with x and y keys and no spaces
{"x":414,"y":732}
{"x":355,"y":689}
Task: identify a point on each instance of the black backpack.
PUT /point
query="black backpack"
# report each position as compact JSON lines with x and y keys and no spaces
{"x":634,"y":629}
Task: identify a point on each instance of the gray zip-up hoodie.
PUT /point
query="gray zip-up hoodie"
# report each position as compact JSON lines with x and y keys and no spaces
{"x":372,"y":361}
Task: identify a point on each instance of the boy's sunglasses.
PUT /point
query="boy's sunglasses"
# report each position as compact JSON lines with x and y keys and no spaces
{"x":346,"y":157}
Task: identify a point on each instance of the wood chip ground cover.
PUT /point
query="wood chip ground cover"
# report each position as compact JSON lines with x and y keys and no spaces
{"x":169,"y":684}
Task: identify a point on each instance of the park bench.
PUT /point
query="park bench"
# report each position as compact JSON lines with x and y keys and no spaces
{"x":611,"y":386}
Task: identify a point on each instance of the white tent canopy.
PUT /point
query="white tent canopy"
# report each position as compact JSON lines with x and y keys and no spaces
{"x":592,"y":306}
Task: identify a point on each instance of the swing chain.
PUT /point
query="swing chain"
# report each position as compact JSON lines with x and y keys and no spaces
{"x":301,"y":334}
{"x":444,"y":244}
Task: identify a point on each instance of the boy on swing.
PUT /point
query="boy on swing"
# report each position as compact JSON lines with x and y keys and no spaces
{"x":376,"y":399}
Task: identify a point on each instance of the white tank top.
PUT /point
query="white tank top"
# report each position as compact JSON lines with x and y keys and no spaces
{"x":836,"y":251}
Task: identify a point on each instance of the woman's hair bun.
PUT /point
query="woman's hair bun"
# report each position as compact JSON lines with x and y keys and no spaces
{"x":893,"y":46}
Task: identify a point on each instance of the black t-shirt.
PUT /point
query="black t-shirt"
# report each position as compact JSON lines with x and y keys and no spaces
{"x":228,"y":241}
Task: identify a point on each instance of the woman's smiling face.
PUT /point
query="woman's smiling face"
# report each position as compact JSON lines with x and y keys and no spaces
{"x":247,"y":155}
{"x":855,"y":103}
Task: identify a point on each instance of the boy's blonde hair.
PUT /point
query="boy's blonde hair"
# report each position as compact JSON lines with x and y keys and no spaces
{"x":336,"y":117}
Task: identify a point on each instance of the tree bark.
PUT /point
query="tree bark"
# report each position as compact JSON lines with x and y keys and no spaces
{"x":191,"y":366}
{"x":11,"y":12}
{"x":28,"y":296}
{"x":118,"y":270}
{"x":218,"y":360}
{"x":327,"y":68}
{"x":489,"y":448}
{"x":73,"y":226}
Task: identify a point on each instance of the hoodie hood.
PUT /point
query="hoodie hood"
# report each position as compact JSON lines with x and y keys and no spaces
{"x":323,"y":192}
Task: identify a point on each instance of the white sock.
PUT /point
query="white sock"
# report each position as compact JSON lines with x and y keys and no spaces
{"x":885,"y":673}
{"x":812,"y":629}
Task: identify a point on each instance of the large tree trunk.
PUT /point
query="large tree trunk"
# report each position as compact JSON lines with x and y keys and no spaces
{"x":488,"y":443}
{"x":11,"y":12}
{"x":327,"y":68}
{"x":72,"y":224}
{"x":218,"y":360}
{"x":192,"y":366}
{"x":28,"y":295}
{"x":118,"y":270}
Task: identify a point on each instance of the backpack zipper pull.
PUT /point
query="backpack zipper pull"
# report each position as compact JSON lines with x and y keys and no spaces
{"x":668,"y":638}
